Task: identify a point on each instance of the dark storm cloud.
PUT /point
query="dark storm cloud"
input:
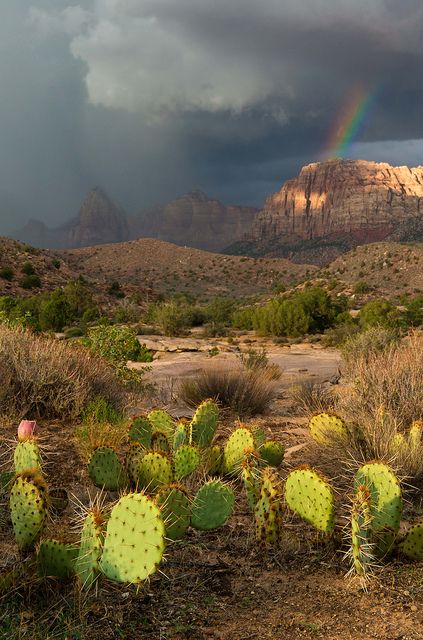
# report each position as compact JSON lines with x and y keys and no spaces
{"x":150,"y":98}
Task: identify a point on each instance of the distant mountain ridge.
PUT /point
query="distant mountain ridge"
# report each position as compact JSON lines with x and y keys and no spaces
{"x":194,"y":220}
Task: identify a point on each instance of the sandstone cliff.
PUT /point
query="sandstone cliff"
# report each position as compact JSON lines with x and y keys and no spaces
{"x":334,"y":205}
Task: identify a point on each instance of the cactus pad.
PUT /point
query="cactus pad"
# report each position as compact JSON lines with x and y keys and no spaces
{"x":176,"y":511}
{"x":27,"y":456}
{"x":28,"y":508}
{"x":181,"y":435}
{"x":186,"y":460}
{"x":134,"y":542}
{"x":106,"y":471}
{"x":310,"y":496}
{"x":87,"y":564}
{"x":159,"y":442}
{"x":135,"y":454}
{"x":56,"y":559}
{"x":268,"y":510}
{"x":212,"y":459}
{"x":412,"y":545}
{"x":204,"y":423}
{"x":161,"y":421}
{"x":361,"y":548}
{"x":324,"y":428}
{"x":272,"y":452}
{"x":140,"y":431}
{"x":212,"y":505}
{"x":153,"y":471}
{"x":233,"y":453}
{"x":415,"y":435}
{"x":386,"y":503}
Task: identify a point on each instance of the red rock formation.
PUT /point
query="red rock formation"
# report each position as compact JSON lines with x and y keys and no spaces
{"x":367,"y":199}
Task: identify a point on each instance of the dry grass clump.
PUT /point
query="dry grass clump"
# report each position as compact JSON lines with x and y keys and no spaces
{"x":383,"y":398}
{"x":311,"y":397}
{"x":44,"y":378}
{"x":247,"y":392}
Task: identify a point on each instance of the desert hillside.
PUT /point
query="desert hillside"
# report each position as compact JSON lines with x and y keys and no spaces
{"x":168,"y":268}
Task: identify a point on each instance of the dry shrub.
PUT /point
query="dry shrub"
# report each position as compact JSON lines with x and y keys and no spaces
{"x":311,"y":397}
{"x":247,"y":392}
{"x":383,"y":397}
{"x":44,"y":378}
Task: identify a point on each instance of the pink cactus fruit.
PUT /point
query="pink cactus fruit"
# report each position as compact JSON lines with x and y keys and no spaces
{"x":26,"y":429}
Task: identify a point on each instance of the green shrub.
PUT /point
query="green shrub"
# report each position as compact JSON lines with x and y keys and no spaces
{"x":379,"y":313}
{"x":28,"y":269}
{"x":56,"y":263}
{"x":100,"y":411}
{"x":7,"y":273}
{"x":243,"y":319}
{"x":173,"y":319}
{"x":116,"y":290}
{"x":117,"y":345}
{"x":32,"y":281}
{"x":361,"y":287}
{"x":55,"y":311}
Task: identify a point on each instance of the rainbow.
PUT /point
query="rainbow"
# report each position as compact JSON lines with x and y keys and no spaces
{"x":349,"y":123}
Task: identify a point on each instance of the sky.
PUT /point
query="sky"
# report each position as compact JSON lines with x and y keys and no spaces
{"x":152,"y":98}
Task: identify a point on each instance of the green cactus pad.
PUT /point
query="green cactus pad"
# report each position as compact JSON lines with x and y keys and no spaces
{"x":233,"y":453}
{"x":212,"y":505}
{"x":106,"y":471}
{"x":27,"y":456}
{"x":212,"y":460}
{"x":250,"y":485}
{"x":325,"y":428}
{"x":28,"y":508}
{"x":182,"y":435}
{"x":386,"y":503}
{"x":268,"y":510}
{"x":176,"y":511}
{"x":159,"y":442}
{"x":56,"y":559}
{"x":153,"y":471}
{"x":272,"y":452}
{"x":415,"y":435}
{"x":135,"y":454}
{"x":140,"y":431}
{"x":310,"y":496}
{"x":161,"y":421}
{"x":204,"y":423}
{"x":412,"y":545}
{"x":361,"y":548}
{"x":186,"y":460}
{"x":87,"y":564}
{"x":134,"y":542}
{"x":397,"y":443}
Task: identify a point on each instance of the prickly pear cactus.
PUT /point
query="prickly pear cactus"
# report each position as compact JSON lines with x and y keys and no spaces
{"x":27,"y":456}
{"x":87,"y":563}
{"x":397,"y":443}
{"x":159,"y":442}
{"x":238,"y":442}
{"x":185,"y":461}
{"x":134,"y":456}
{"x":153,"y":471}
{"x":212,"y":505}
{"x":134,"y":542}
{"x":182,"y":434}
{"x":415,"y":434}
{"x":251,"y":479}
{"x":272,"y":452}
{"x":386,"y":503}
{"x":106,"y":471}
{"x":325,"y":428}
{"x":259,"y":436}
{"x":204,"y":423}
{"x":56,"y":559}
{"x":140,"y":431}
{"x":412,"y":545}
{"x":176,"y":510}
{"x":212,"y":460}
{"x":161,"y":421}
{"x":268,"y":509}
{"x":361,"y":547}
{"x":28,"y":508}
{"x":310,"y":495}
